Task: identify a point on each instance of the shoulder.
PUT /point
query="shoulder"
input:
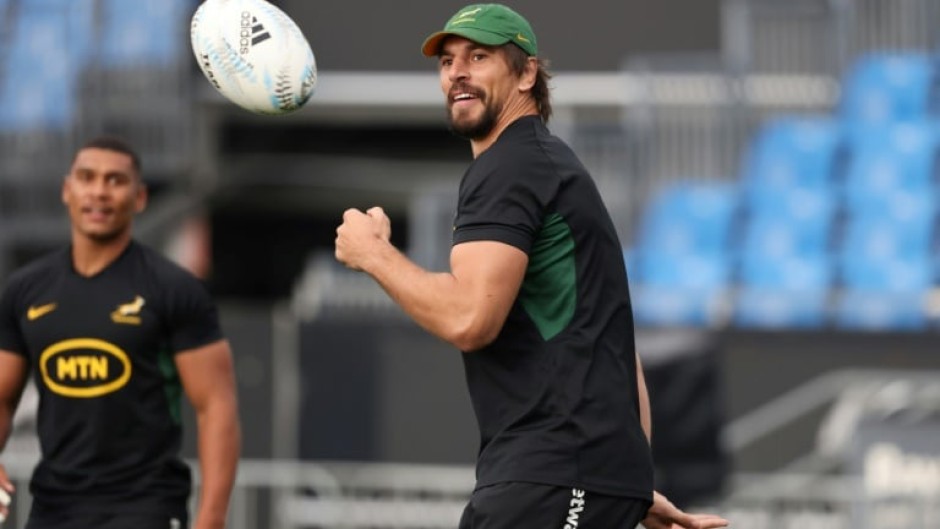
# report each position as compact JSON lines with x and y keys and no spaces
{"x":159,"y":266}
{"x":525,"y":152}
{"x":172,"y":288}
{"x":41,"y":269}
{"x":155,"y":262}
{"x":527,"y":131}
{"x":527,"y":142}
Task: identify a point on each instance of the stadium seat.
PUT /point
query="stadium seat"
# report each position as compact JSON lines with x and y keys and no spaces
{"x":776,"y":308}
{"x":80,"y":28}
{"x":875,"y":239}
{"x":784,"y":259}
{"x":882,"y":311}
{"x":886,"y":87}
{"x":791,"y":153}
{"x":886,"y":270}
{"x":905,"y":274}
{"x":689,"y":218}
{"x":39,"y":95}
{"x":679,"y":290}
{"x":680,"y":267}
{"x":797,"y":223}
{"x":144,"y":31}
{"x":784,"y":289}
{"x":892,"y":170}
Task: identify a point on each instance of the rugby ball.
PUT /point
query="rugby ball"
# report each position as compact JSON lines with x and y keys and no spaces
{"x":254,"y":54}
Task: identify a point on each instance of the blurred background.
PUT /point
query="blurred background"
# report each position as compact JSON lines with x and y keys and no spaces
{"x":771,"y":167}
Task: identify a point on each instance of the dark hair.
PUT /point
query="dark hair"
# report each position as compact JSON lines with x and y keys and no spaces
{"x":540,"y":90}
{"x":111,"y":143}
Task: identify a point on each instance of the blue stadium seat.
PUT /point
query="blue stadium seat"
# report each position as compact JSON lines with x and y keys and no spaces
{"x":785,"y":268}
{"x":775,"y":308}
{"x":144,"y":31}
{"x":38,"y":88}
{"x":796,"y":272}
{"x":778,"y":290}
{"x":882,"y":311}
{"x":689,"y":217}
{"x":792,"y":204}
{"x":791,"y":153}
{"x":891,"y":170}
{"x":885,"y":294}
{"x":679,"y":290}
{"x":778,"y":238}
{"x":680,"y":268}
{"x":797,"y":223}
{"x":886,"y":87}
{"x":80,"y":31}
{"x":879,"y":239}
{"x":906,"y":274}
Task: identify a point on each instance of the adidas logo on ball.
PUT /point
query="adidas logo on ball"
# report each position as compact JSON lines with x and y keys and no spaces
{"x":251,"y":32}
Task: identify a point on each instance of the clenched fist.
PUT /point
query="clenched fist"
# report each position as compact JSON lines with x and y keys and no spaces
{"x":360,"y":236}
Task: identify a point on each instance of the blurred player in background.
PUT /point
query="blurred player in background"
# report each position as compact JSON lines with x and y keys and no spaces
{"x":537,"y":298}
{"x":114,"y":333}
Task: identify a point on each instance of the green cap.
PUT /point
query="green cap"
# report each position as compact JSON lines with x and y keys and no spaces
{"x":487,"y":24}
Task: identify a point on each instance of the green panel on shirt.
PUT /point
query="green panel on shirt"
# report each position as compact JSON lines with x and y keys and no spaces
{"x":549,"y":290}
{"x":171,"y":384}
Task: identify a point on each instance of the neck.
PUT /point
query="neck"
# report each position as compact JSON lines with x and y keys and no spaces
{"x":90,"y":256}
{"x":513,"y":111}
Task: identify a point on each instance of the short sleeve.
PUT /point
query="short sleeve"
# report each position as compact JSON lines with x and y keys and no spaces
{"x":505,"y":201}
{"x":11,"y":337}
{"x":192,"y":316}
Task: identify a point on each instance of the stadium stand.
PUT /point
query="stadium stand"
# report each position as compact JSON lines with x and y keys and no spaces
{"x":838,"y":215}
{"x":788,"y":199}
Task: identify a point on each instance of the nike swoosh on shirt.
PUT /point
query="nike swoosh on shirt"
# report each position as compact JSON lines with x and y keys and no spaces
{"x":34,"y":313}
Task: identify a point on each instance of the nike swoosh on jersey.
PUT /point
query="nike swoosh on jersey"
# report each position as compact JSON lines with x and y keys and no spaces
{"x":34,"y":313}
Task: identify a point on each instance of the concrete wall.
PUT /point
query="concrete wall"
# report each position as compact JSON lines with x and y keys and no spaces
{"x":587,"y":35}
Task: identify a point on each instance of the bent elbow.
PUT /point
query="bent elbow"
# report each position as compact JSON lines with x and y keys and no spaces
{"x":474,"y":339}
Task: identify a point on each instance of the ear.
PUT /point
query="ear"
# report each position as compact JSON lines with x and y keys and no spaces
{"x":65,"y":189}
{"x":140,"y":201}
{"x":529,"y":74}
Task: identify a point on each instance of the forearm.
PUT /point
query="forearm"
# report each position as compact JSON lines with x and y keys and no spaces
{"x":13,"y":377}
{"x":6,"y":425}
{"x":646,"y":420}
{"x":219,"y":446}
{"x":435,"y":301}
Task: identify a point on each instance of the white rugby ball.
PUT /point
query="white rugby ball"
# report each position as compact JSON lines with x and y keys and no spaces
{"x":254,"y":54}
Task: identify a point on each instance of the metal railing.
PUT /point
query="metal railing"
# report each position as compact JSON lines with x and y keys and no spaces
{"x":287,"y":494}
{"x":329,"y":495}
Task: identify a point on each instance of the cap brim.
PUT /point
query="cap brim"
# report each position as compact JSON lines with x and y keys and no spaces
{"x":432,"y":45}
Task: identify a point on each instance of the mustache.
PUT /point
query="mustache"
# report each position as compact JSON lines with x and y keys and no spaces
{"x":464,"y":88}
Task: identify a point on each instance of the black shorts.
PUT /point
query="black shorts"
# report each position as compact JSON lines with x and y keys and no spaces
{"x":517,"y":505}
{"x":105,"y":521}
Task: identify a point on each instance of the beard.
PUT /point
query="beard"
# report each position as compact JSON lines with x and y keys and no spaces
{"x":474,"y":129}
{"x":103,"y":232}
{"x":106,"y":236}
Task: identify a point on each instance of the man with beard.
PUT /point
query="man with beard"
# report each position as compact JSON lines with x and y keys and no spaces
{"x":536,"y":298}
{"x":114,"y":333}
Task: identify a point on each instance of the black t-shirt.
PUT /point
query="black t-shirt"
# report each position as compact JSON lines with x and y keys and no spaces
{"x":101,"y":350}
{"x":555,"y":394}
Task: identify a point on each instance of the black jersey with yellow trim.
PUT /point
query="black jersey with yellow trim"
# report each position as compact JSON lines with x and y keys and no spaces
{"x":101,"y":350}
